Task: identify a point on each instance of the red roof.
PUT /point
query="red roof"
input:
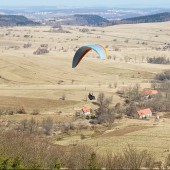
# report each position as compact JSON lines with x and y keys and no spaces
{"x":150,"y":92}
{"x":85,"y":109}
{"x":144,"y":111}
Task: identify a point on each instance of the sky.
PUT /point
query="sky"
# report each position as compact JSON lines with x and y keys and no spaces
{"x":89,"y":3}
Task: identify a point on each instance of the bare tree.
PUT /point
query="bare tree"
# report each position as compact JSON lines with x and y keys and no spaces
{"x":47,"y":124}
{"x":105,"y":113}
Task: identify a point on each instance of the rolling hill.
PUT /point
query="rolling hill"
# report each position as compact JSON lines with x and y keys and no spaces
{"x":96,"y":20}
{"x":90,"y":19}
{"x":15,"y":20}
{"x":81,"y":20}
{"x":161,"y":17}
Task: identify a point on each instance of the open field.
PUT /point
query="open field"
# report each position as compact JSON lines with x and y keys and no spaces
{"x":39,"y":81}
{"x":26,"y":75}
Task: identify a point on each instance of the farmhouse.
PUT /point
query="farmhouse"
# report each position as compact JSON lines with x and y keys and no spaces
{"x":149,"y":92}
{"x":145,"y":113}
{"x":85,"y":111}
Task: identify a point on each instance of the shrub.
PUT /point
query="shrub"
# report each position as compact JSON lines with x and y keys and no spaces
{"x":20,"y":111}
{"x":163,"y":76}
{"x":27,"y":45}
{"x":6,"y":111}
{"x":47,"y":124}
{"x":44,"y":45}
{"x":35,"y":112}
{"x":126,"y":41}
{"x":84,"y":30}
{"x":63,"y":97}
{"x":41,"y":51}
{"x":130,"y":158}
{"x":82,"y":136}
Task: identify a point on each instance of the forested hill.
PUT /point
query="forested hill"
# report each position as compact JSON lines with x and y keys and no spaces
{"x":90,"y":20}
{"x":15,"y":20}
{"x":161,"y":17}
{"x":80,"y":19}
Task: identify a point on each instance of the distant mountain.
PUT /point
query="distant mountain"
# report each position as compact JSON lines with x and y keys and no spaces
{"x":82,"y":20}
{"x":161,"y":17}
{"x":15,"y":20}
{"x":95,"y":20}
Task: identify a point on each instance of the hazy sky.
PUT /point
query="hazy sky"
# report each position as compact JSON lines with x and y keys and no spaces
{"x":88,"y":3}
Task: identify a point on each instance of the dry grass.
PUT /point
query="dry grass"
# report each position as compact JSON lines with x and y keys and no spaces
{"x":42,"y":104}
{"x":33,"y":81}
{"x":54,"y":117}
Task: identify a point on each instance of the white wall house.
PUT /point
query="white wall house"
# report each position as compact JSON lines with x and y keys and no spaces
{"x":145,"y":113}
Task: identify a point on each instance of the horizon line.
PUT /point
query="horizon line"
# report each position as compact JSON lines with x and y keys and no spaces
{"x":67,"y":7}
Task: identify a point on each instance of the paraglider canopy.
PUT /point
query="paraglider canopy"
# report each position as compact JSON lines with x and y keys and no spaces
{"x":82,"y":51}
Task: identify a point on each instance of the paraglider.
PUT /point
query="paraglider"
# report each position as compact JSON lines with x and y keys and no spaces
{"x":82,"y":51}
{"x":91,"y":96}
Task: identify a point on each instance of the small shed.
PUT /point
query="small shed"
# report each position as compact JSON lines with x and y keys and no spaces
{"x":145,"y":113}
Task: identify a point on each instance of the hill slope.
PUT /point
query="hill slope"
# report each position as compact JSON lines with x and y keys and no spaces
{"x":15,"y":20}
{"x":161,"y":17}
{"x":81,"y":20}
{"x":90,"y":20}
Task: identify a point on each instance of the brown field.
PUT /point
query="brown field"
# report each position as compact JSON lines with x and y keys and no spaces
{"x":33,"y":81}
{"x":125,"y":131}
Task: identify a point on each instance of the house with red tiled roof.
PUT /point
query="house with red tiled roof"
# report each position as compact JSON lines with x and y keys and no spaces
{"x":144,"y":113}
{"x":86,"y":111}
{"x":149,"y":92}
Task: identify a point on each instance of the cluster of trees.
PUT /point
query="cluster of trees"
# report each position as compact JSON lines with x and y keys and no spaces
{"x":162,"y":83}
{"x":135,"y":100}
{"x":163,"y":76}
{"x":107,"y":112}
{"x":33,"y":126}
{"x":23,"y":151}
{"x":12,"y":111}
{"x":158,"y":60}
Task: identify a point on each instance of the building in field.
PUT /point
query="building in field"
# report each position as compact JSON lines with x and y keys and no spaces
{"x":86,"y":111}
{"x":144,"y":113}
{"x":149,"y":93}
